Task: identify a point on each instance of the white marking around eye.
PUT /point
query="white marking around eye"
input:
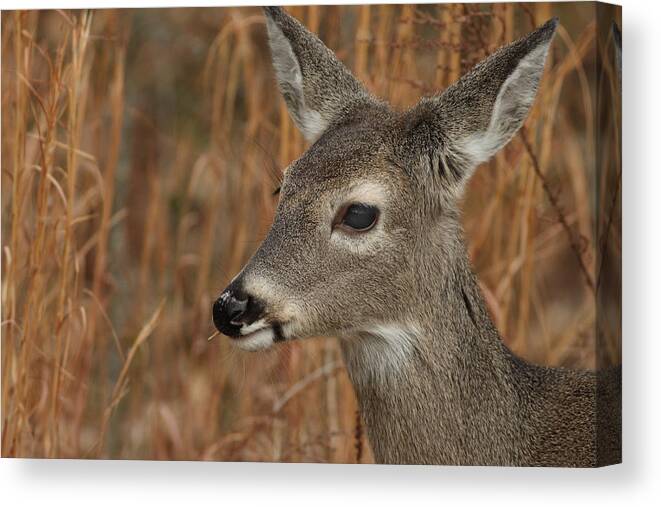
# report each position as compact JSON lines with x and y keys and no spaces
{"x":370,"y":193}
{"x":367,"y":192}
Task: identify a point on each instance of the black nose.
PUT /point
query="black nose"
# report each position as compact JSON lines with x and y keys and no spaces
{"x":233,"y":310}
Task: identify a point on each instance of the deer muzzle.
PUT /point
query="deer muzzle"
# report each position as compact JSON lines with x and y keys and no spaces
{"x":234,"y":312}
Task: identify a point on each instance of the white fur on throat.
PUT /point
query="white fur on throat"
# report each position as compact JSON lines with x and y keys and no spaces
{"x":380,"y":353}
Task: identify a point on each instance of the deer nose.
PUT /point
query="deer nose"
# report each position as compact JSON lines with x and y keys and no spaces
{"x":233,"y":310}
{"x":236,"y":309}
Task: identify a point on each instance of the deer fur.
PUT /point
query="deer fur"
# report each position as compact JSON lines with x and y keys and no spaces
{"x":434,"y":381}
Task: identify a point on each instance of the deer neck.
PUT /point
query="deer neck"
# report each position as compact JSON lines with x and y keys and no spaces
{"x":440,"y":378}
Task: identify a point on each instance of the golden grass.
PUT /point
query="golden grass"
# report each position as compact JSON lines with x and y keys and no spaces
{"x":140,"y":150}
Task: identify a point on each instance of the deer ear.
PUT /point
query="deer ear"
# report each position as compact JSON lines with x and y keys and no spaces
{"x":479,"y":114}
{"x":317,"y":87}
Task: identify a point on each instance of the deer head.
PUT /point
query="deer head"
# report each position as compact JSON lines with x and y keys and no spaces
{"x":375,"y":197}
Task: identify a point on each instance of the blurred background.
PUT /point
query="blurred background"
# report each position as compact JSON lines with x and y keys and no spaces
{"x":140,"y":152}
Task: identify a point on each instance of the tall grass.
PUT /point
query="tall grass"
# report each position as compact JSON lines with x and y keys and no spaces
{"x":140,"y":151}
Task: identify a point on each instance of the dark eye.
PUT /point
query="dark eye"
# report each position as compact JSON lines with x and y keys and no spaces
{"x":358,"y":217}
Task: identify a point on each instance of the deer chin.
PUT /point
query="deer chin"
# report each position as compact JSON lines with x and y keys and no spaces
{"x":257,"y":340}
{"x":259,"y":335}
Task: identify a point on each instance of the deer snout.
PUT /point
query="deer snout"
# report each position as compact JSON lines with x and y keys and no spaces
{"x":235,"y":311}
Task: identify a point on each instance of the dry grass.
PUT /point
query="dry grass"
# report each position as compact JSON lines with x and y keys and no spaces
{"x":140,"y":150}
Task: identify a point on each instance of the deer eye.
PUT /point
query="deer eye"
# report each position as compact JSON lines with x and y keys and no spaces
{"x":358,"y":217}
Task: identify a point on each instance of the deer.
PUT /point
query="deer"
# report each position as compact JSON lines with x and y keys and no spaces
{"x":366,"y":246}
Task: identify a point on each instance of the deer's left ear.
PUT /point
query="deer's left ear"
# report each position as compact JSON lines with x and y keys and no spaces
{"x":479,"y":114}
{"x":318,"y":89}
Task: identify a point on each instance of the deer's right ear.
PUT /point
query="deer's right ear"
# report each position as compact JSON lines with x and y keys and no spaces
{"x":316,"y":86}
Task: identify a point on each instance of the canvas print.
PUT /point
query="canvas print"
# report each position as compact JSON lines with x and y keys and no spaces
{"x":330,"y":234}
